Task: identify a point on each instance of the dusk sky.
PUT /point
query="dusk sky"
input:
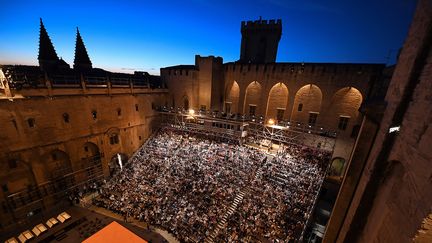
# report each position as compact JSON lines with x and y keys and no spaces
{"x":146,"y":35}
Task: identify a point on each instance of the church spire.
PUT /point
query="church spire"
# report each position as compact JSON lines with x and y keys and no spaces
{"x":47,"y":57}
{"x":82,"y":61}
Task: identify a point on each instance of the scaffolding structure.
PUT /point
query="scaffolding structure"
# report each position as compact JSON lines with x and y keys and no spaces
{"x":246,"y":130}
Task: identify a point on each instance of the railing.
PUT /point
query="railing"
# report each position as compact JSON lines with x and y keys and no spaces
{"x":140,"y":82}
{"x":61,"y":80}
{"x":120,"y":82}
{"x":96,"y":82}
{"x":315,"y":202}
{"x":56,"y":187}
{"x":34,"y":78}
{"x":292,"y":125}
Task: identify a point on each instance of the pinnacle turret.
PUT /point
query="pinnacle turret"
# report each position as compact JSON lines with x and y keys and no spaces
{"x":47,"y":57}
{"x":82,"y":61}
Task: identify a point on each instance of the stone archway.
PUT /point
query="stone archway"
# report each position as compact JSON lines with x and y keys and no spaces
{"x":307,"y":100}
{"x":91,"y":150}
{"x":344,"y":105}
{"x":16,"y":175}
{"x":252,"y":99}
{"x":232,"y":98}
{"x":58,"y":164}
{"x":277,"y":102}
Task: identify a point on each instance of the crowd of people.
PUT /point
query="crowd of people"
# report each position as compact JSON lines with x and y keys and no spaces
{"x":280,"y":199}
{"x":180,"y":183}
{"x":185,"y":184}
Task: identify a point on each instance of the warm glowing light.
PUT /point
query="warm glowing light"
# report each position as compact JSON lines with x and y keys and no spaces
{"x":271,"y":122}
{"x":191,"y":112}
{"x":120,"y":161}
{"x":394,"y":129}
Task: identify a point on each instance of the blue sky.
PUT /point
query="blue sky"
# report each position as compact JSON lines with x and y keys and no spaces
{"x":146,"y":35}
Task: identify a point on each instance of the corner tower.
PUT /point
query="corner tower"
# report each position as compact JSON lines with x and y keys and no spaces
{"x":260,"y":40}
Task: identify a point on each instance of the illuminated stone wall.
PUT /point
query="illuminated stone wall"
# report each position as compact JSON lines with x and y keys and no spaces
{"x":393,"y":195}
{"x":332,"y":90}
{"x":131,"y":117}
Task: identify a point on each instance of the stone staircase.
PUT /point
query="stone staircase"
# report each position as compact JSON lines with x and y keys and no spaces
{"x":231,"y":209}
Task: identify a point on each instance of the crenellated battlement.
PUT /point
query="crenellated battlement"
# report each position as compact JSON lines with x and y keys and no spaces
{"x":260,"y":40}
{"x":272,"y":23}
{"x":301,"y":67}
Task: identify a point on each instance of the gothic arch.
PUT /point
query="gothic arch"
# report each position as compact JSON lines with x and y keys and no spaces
{"x":232,"y":97}
{"x":90,"y":149}
{"x":345,"y":102}
{"x":91,"y":155}
{"x":58,"y":164}
{"x":277,"y":99}
{"x":16,"y":175}
{"x":307,"y":99}
{"x":252,"y":97}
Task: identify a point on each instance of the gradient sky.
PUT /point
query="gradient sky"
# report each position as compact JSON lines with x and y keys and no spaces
{"x":146,"y":35}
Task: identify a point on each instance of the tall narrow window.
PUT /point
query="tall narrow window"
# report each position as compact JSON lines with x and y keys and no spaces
{"x":31,"y":122}
{"x":280,"y":114}
{"x":343,"y":122}
{"x":300,"y":107}
{"x":114,"y":139}
{"x":136,"y":107}
{"x":312,"y":118}
{"x":94,"y":114}
{"x":118,"y":111}
{"x":66,"y":117}
{"x":252,"y":110}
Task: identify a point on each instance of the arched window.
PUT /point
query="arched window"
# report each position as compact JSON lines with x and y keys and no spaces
{"x":114,"y":139}
{"x":337,"y":166}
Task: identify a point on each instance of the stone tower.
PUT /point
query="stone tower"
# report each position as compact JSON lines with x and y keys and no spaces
{"x":260,"y":40}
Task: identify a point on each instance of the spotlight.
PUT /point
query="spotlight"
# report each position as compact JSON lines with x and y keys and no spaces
{"x":271,"y":122}
{"x":191,"y":112}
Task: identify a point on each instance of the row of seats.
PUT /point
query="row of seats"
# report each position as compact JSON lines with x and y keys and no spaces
{"x":39,"y":229}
